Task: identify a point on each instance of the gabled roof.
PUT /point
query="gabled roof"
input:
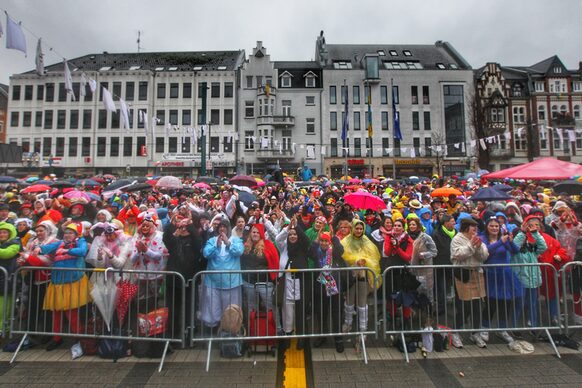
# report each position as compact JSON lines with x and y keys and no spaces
{"x":547,"y":65}
{"x":182,"y":61}
{"x":286,"y":74}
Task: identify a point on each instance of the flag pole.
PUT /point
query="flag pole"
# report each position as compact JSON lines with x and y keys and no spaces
{"x":370,"y":129}
{"x":345,"y":135}
{"x":394,"y":137}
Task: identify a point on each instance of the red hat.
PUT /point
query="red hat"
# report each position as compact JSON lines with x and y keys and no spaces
{"x":325,"y":236}
{"x":261,"y":229}
{"x":26,"y":205}
{"x":529,"y":218}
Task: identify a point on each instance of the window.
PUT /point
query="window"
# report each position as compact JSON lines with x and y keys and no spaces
{"x":214,"y":144}
{"x":140,"y":122}
{"x":227,"y":143}
{"x":86,"y":146}
{"x":396,"y":147}
{"x":414,"y":94}
{"x":187,"y":90}
{"x":416,"y":145}
{"x":332,"y":95}
{"x":40,"y":92}
{"x":115,"y":119}
{"x":128,"y":146}
{"x":517,"y":90}
{"x":88,"y":93}
{"x":186,"y":117}
{"x":577,"y":112}
{"x":259,"y":81}
{"x":309,"y":100}
{"x":249,"y":143}
{"x":357,"y":121}
{"x":160,"y":145}
{"x":162,"y":90}
{"x":310,"y":81}
{"x":38,"y":119}
{"x":27,"y":119}
{"x":384,"y":116}
{"x":497,"y":115}
{"x":73,"y":142}
{"x":357,"y":147}
{"x":441,"y":66}
{"x":520,"y":143}
{"x":563,"y":109}
{"x":425,"y":95}
{"x":48,"y":119}
{"x":47,"y":145}
{"x":215,"y":90}
{"x":519,"y":114}
{"x":249,"y":109}
{"x":578,"y":140}
{"x":15,"y":92}
{"x":200,"y":119}
{"x":114,"y":148}
{"x":541,"y":112}
{"x":356,"y":94}
{"x":333,"y":121}
{"x":333,"y":148}
{"x":344,"y":93}
{"x":50,"y":92}
{"x":577,"y":86}
{"x":428,"y":146}
{"x":228,"y":90}
{"x":25,"y":145}
{"x":286,"y":139}
{"x":117,"y":89}
{"x":102,"y":119}
{"x":161,"y":116}
{"x":310,"y":125}
{"x":385,"y":146}
{"x":28,"y":92}
{"x":393,"y":53}
{"x":173,"y":116}
{"x":366,"y":94}
{"x":14,"y":119}
{"x":215,"y":116}
{"x":395,"y":95}
{"x":286,"y":107}
{"x":74,"y":119}
{"x":384,"y":95}
{"x":140,"y":149}
{"x":554,"y":111}
{"x":102,"y":86}
{"x":143,"y":91}
{"x":228,"y":117}
{"x":61,"y":118}
{"x":426,"y":117}
{"x":174,"y":90}
{"x":415,"y":121}
{"x":101,"y":146}
{"x":372,"y":67}
{"x":249,"y":81}
{"x":286,"y":81}
{"x":129,"y":91}
{"x":539,"y":86}
{"x":269,"y":81}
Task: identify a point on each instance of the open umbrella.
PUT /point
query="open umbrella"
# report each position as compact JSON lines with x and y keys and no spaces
{"x":143,"y":187}
{"x":8,"y":179}
{"x":169,"y":182}
{"x":371,"y":180}
{"x":36,"y":189}
{"x":117,"y":185}
{"x":243,"y":180}
{"x":77,"y":195}
{"x":104,"y":294}
{"x":207,"y":179}
{"x":354,"y":181}
{"x":87,"y":183}
{"x":490,"y":194}
{"x":126,"y":291}
{"x":503,"y":187}
{"x":246,"y":198}
{"x":571,"y":187}
{"x":31,"y":179}
{"x":364,"y":200}
{"x":445,"y":192}
{"x":58,"y":184}
{"x":202,"y":185}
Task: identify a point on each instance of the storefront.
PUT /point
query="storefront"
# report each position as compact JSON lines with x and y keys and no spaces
{"x":413,"y":167}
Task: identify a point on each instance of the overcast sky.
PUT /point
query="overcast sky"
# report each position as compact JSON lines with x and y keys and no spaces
{"x":509,"y":32}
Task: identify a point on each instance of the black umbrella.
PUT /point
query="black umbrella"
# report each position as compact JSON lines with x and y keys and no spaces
{"x":58,"y":184}
{"x":207,"y":179}
{"x":570,"y":187}
{"x":246,"y":198}
{"x":8,"y":179}
{"x":490,"y":194}
{"x":137,"y":187}
{"x":118,"y":184}
{"x":139,"y":179}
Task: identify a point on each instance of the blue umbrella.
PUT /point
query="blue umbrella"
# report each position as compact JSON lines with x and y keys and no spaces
{"x":503,"y":187}
{"x":8,"y":179}
{"x":93,"y":196}
{"x":87,"y":182}
{"x":490,"y":194}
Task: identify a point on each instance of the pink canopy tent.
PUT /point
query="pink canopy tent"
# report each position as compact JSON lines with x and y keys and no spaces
{"x":545,"y":168}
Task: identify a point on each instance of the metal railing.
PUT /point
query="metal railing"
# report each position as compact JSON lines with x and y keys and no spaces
{"x":451,"y":299}
{"x":134,"y":306}
{"x":6,"y":299}
{"x":571,"y":287}
{"x":284,"y":304}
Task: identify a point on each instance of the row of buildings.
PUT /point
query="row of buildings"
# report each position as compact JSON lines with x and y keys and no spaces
{"x":254,"y":114}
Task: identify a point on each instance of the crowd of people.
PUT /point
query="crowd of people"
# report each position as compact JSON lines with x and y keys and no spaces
{"x":296,"y":226}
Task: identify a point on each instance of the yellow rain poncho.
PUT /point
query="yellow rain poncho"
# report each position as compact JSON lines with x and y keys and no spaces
{"x":362,"y":248}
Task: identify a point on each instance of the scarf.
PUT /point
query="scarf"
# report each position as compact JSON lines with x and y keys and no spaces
{"x":384,"y":232}
{"x":450,"y":233}
{"x":414,"y":235}
{"x":325,"y":277}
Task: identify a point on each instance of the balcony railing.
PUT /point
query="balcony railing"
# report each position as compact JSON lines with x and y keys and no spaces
{"x":276,"y":120}
{"x":272,"y":153}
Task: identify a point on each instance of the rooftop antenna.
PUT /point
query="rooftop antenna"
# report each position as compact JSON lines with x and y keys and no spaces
{"x":139,"y":41}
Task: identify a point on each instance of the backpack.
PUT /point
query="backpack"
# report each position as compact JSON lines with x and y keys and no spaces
{"x":231,"y":348}
{"x":112,"y":349}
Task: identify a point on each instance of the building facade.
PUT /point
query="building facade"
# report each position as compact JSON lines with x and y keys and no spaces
{"x":427,"y":85}
{"x":3,"y":111}
{"x":279,"y":114}
{"x":165,"y":93}
{"x":529,"y":112}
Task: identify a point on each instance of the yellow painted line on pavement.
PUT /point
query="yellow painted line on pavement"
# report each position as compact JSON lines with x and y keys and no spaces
{"x":294,"y":373}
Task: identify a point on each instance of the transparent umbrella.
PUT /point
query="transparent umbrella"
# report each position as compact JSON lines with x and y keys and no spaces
{"x":104,"y":294}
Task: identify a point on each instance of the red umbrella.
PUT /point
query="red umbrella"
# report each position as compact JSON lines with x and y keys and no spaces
{"x":36,"y":189}
{"x":151,"y":182}
{"x":126,"y":291}
{"x":364,"y":200}
{"x":243,"y":180}
{"x":355,"y":181}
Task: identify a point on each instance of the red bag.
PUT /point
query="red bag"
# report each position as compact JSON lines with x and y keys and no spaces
{"x":261,"y":325}
{"x":153,"y":323}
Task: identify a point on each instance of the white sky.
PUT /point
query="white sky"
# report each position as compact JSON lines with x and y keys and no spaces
{"x":514,"y":32}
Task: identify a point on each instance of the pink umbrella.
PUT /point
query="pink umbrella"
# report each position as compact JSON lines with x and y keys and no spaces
{"x":364,"y":200}
{"x":202,"y":185}
{"x":355,"y":181}
{"x":169,"y":182}
{"x":261,"y":184}
{"x":77,"y":195}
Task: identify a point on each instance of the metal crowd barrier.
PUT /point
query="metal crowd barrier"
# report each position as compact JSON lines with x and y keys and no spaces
{"x":282,"y":304}
{"x":4,"y":311}
{"x":134,"y":306}
{"x":436,"y":298}
{"x":571,"y":287}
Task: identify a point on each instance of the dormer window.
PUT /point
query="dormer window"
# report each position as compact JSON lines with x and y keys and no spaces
{"x":557,"y":70}
{"x":310,"y":79}
{"x":441,"y":66}
{"x":393,"y":53}
{"x":286,"y":79}
{"x":381,"y":53}
{"x":342,"y":65}
{"x":407,"y":53}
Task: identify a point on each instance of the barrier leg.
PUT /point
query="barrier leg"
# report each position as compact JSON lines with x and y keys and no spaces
{"x":18,"y":348}
{"x":364,"y":351}
{"x":553,"y":344}
{"x":404,"y":346}
{"x":164,"y":356}
{"x":208,"y":355}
